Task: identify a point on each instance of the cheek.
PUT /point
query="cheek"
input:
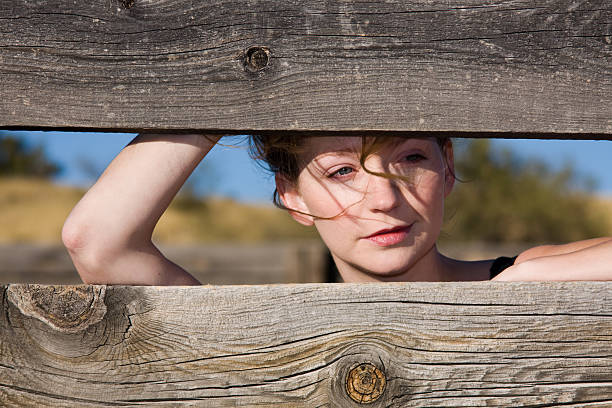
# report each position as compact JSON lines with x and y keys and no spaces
{"x":337,"y":234}
{"x":328,"y":200}
{"x":427,"y":196}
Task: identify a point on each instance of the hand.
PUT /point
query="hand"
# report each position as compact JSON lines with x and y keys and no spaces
{"x":578,"y":261}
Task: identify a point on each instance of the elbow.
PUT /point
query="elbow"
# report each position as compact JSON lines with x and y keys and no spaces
{"x":73,"y":235}
{"x":89,"y":255}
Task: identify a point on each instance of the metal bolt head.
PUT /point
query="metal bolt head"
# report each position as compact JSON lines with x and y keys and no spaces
{"x":365,"y":383}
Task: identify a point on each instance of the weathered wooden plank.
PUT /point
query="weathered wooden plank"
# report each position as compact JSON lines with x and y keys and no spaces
{"x":512,"y":66}
{"x":437,"y":344}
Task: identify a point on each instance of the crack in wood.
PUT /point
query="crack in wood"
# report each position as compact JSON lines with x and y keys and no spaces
{"x":126,"y":332}
{"x":61,"y":397}
{"x":300,"y":340}
{"x":221,"y":344}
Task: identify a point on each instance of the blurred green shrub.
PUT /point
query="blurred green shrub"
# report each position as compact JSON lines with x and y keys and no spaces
{"x":502,"y":198}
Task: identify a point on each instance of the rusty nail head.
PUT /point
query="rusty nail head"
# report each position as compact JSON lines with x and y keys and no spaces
{"x":256,"y":58}
{"x":365,"y":383}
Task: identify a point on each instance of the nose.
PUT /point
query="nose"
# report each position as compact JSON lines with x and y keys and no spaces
{"x":382,"y":193}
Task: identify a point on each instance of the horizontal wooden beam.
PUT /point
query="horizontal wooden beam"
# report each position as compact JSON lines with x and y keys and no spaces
{"x":394,"y":345}
{"x":500,"y":68}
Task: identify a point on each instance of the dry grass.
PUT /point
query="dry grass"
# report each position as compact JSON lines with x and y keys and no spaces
{"x":224,"y":220}
{"x":33,"y":211}
{"x":603,"y":205}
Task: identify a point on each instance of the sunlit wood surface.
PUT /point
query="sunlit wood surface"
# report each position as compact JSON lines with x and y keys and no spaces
{"x":437,"y":344}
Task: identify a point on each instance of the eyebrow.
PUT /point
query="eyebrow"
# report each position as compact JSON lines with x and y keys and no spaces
{"x":337,"y":152}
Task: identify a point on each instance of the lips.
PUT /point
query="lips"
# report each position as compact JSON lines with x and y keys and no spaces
{"x":390,"y":236}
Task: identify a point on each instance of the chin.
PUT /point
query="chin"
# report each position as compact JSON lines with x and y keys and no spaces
{"x":387,"y":269}
{"x":393,"y":264}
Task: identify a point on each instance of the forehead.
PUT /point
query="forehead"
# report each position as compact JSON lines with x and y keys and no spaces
{"x":315,"y":146}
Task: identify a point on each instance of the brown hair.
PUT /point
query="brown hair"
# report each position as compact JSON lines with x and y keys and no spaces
{"x":280,"y":155}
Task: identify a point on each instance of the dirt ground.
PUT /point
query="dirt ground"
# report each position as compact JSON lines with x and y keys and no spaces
{"x":297,"y":262}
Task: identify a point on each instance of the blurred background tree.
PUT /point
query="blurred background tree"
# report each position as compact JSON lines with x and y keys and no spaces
{"x":502,"y":198}
{"x":19,"y":159}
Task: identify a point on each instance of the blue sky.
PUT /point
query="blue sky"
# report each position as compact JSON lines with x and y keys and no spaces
{"x":229,"y":172}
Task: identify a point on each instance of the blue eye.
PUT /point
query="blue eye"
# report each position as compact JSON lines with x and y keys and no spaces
{"x":342,"y":172}
{"x":415,"y":157}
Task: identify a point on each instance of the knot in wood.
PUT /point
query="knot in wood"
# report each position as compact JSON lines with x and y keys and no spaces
{"x":256,"y":58}
{"x":127,"y":3}
{"x":68,"y":309}
{"x":365,"y":383}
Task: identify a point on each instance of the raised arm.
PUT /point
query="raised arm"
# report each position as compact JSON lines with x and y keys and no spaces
{"x":583,"y":260}
{"x":108,"y":233}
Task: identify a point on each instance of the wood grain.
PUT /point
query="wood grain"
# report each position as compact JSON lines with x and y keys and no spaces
{"x":438,"y":344}
{"x":510,"y":68}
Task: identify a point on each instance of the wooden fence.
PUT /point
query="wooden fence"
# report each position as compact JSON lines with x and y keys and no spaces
{"x":478,"y":66}
{"x":512,"y":68}
{"x":399,"y":345}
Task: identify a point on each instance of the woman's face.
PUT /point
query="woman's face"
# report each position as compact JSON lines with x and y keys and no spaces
{"x":377,"y":226}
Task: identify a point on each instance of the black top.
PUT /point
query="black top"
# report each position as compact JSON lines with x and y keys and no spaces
{"x":500,"y":264}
